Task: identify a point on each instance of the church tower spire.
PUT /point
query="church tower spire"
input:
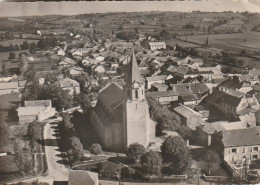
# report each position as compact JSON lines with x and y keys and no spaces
{"x":137,"y":125}
{"x":134,"y":87}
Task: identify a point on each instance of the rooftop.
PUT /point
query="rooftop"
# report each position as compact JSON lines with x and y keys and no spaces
{"x":241,"y":137}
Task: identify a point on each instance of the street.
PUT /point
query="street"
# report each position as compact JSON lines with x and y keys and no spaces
{"x":56,"y":171}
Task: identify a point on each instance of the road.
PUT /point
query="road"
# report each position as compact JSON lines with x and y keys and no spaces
{"x":56,"y":171}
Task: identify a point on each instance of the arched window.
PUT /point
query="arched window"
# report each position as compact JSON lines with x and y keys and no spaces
{"x":142,"y":92}
{"x":136,"y":94}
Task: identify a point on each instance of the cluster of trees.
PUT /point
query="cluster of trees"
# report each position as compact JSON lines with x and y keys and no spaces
{"x":166,"y":120}
{"x":126,"y":35}
{"x":174,"y":153}
{"x":33,"y":91}
{"x":24,"y":46}
{"x":47,"y":42}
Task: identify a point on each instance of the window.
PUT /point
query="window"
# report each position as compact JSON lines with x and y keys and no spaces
{"x":142,"y":92}
{"x":254,"y":157}
{"x":234,"y":150}
{"x":244,"y":150}
{"x":136,"y":94}
{"x":255,"y":149}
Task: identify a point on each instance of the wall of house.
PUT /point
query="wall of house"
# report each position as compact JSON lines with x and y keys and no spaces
{"x":193,"y":121}
{"x":149,"y":84}
{"x":27,"y":119}
{"x":8,"y":91}
{"x":241,"y":152}
{"x":167,"y":99}
{"x":201,"y":137}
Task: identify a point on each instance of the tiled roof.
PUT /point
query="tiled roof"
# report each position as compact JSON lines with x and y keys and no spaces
{"x":156,"y":78}
{"x":198,"y":72}
{"x":111,"y":96}
{"x":133,"y":73}
{"x":185,"y":111}
{"x":241,"y":137}
{"x":37,"y":103}
{"x":67,"y":82}
{"x":159,"y":85}
{"x":157,"y":94}
{"x":189,"y":97}
{"x":232,"y":83}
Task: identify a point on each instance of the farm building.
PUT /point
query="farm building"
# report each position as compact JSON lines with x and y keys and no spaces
{"x":157,"y":45}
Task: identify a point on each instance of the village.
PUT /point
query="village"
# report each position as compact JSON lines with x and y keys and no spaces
{"x":84,"y":105}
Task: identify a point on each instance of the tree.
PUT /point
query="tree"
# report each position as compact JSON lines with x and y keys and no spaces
{"x":175,"y":150}
{"x":25,"y":45}
{"x":152,"y":162}
{"x":95,"y":148}
{"x":4,"y":71}
{"x":12,"y":55}
{"x":42,"y":44}
{"x":100,"y":167}
{"x":210,"y":161}
{"x":77,"y":148}
{"x":135,"y":151}
{"x":83,"y":100}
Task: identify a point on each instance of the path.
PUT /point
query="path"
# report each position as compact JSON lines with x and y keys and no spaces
{"x":56,"y":170}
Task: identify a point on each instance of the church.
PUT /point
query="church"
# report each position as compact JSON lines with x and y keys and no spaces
{"x":121,"y":115}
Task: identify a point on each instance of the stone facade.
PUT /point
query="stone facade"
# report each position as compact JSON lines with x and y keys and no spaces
{"x":121,"y":116}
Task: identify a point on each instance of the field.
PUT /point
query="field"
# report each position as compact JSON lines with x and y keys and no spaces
{"x":236,"y":42}
{"x":16,"y":41}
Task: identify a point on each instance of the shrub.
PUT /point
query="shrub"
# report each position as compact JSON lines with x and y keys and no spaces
{"x":135,"y":151}
{"x":95,"y":148}
{"x":152,"y":162}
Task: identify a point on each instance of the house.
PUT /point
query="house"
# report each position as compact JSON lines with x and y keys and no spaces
{"x":99,"y":69}
{"x":76,"y":71}
{"x":216,"y":71}
{"x":234,"y":103}
{"x":240,"y":144}
{"x":37,"y":110}
{"x":190,"y":94}
{"x":11,"y":87}
{"x":236,"y":84}
{"x":72,"y":86}
{"x":67,"y":62}
{"x":157,"y":45}
{"x":87,"y":61}
{"x":61,"y":52}
{"x":121,"y":116}
{"x":154,"y":79}
{"x":164,"y":97}
{"x":82,"y":177}
{"x":189,"y":61}
{"x":189,"y":117}
{"x":159,"y":87}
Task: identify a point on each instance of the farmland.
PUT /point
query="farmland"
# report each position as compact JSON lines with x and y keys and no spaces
{"x":234,"y":43}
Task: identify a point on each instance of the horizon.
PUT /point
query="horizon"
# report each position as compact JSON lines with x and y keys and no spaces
{"x":22,"y":9}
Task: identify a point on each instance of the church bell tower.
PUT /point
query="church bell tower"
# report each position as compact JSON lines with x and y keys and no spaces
{"x":137,"y":126}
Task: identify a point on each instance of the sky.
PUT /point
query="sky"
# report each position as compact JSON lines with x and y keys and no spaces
{"x":81,"y":7}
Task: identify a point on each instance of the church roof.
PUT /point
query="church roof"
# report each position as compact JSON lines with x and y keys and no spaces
{"x":111,"y":96}
{"x":133,"y":73}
